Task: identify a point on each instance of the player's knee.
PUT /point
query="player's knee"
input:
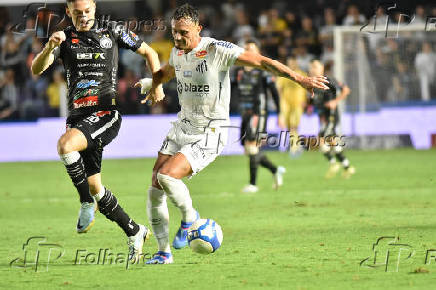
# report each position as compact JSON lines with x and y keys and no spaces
{"x":94,"y":188}
{"x":251,"y":149}
{"x":64,"y":145}
{"x":155,"y":181}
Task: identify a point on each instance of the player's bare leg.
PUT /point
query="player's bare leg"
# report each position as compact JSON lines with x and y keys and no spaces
{"x":69,"y":146}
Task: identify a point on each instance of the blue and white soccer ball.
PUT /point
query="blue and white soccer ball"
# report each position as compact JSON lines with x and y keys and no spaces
{"x":205,"y":236}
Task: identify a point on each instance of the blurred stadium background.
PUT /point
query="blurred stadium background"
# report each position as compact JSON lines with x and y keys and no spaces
{"x":391,"y":69}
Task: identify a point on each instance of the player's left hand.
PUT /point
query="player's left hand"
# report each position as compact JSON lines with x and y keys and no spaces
{"x":310,"y":83}
{"x":331,"y":104}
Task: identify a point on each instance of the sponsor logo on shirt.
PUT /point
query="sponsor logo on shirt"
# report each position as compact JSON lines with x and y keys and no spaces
{"x":85,"y":93}
{"x":128,"y":40}
{"x":192,"y":88}
{"x":90,"y":73}
{"x":187,"y":74}
{"x":180,"y":53}
{"x":86,"y":102}
{"x":75,"y":41}
{"x":201,"y":54}
{"x":223,"y":44}
{"x":88,"y":56}
{"x":84,"y":84}
{"x":94,"y":65}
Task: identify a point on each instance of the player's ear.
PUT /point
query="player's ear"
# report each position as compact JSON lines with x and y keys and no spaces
{"x":67,"y":11}
{"x":199,"y":28}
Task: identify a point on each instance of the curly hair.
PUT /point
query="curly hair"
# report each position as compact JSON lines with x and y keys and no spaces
{"x":186,"y":11}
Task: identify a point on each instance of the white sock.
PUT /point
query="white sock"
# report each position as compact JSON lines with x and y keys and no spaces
{"x":179,"y":195}
{"x":101,"y":193}
{"x":157,"y":211}
{"x":70,"y":158}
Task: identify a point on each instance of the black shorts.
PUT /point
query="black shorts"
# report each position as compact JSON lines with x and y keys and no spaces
{"x":99,"y":128}
{"x":252,"y":127}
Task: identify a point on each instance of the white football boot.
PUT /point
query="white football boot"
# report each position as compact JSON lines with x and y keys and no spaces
{"x":136,"y":242}
{"x":250,"y":188}
{"x":278,"y":177}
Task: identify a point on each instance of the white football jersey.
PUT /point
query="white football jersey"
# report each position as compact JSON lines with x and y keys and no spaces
{"x":203,"y":82}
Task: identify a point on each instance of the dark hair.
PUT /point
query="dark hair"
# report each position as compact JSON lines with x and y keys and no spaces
{"x":254,"y":41}
{"x":71,"y":1}
{"x":188,"y":12}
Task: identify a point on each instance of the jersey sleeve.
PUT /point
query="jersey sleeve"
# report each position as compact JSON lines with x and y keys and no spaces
{"x":226,"y":54}
{"x":127,"y":39}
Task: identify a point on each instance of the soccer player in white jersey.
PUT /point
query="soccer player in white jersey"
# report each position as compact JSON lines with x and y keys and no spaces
{"x":201,"y":67}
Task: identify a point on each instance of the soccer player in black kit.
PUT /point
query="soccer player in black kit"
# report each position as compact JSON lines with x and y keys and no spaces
{"x":326,"y":104}
{"x":90,"y":57}
{"x":252,"y":86}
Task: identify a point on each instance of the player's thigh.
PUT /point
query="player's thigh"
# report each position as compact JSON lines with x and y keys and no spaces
{"x":177,"y":166}
{"x":72,"y":140}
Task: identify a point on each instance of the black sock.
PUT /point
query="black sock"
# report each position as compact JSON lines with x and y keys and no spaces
{"x":253,"y":169}
{"x":76,"y":171}
{"x":109,"y":207}
{"x":341,"y":158}
{"x":264,"y":162}
{"x":329,"y":156}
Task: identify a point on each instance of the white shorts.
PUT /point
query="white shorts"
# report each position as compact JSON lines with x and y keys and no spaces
{"x":199,"y":146}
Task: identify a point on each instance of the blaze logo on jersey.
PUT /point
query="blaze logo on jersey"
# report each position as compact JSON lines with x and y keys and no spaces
{"x":192,"y":88}
{"x":88,"y":56}
{"x":86,"y":102}
{"x":201,"y":54}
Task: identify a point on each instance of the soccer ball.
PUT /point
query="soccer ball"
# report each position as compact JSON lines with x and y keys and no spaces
{"x":205,"y":236}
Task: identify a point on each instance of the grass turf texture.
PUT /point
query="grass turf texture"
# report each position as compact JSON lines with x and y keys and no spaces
{"x":311,"y":234}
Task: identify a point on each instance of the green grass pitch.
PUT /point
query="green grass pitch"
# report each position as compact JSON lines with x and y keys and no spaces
{"x":311,"y":234}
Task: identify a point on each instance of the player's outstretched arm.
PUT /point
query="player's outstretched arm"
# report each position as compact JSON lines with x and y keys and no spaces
{"x":278,"y":69}
{"x":163,"y":75}
{"x":46,"y":57}
{"x":153,"y":62}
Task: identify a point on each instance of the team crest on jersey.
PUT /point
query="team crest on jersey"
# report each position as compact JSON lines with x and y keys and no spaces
{"x":105,"y":42}
{"x":201,"y":54}
{"x":202,"y":67}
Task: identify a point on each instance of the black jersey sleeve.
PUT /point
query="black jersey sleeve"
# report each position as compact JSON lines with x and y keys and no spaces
{"x":127,"y":39}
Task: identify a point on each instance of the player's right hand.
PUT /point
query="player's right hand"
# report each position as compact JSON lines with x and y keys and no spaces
{"x":155,"y":95}
{"x":56,"y":39}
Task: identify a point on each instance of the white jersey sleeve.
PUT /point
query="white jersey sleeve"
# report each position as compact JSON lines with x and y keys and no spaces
{"x":226,"y":53}
{"x":171,"y":61}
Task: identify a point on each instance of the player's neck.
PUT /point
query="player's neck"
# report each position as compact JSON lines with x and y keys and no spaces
{"x":194,"y":45}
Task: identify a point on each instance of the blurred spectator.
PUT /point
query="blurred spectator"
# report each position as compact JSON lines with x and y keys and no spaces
{"x":420,"y":17}
{"x":404,"y":84}
{"x":161,"y":45}
{"x":243,"y":30}
{"x":8,"y":96}
{"x":303,"y":58}
{"x":308,"y":37}
{"x":128,"y":95}
{"x":425,"y":64}
{"x":57,"y":95}
{"x":34,"y":99}
{"x":353,"y":16}
{"x":326,"y":31}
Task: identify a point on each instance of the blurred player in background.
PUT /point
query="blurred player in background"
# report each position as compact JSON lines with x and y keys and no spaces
{"x":90,"y":58}
{"x":292,"y":102}
{"x":201,"y":66}
{"x":326,"y":103}
{"x":252,"y":86}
